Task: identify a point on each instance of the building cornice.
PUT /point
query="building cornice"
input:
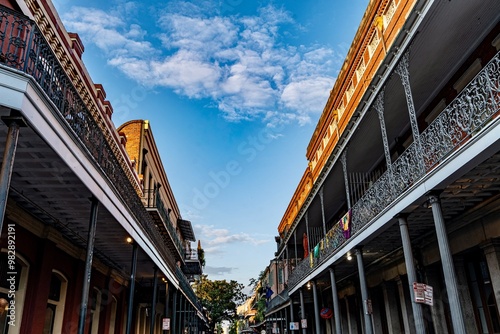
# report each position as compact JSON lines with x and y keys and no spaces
{"x":60,"y":42}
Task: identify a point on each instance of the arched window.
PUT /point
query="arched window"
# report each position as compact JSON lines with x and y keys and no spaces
{"x":15,"y":278}
{"x":54,"y":313}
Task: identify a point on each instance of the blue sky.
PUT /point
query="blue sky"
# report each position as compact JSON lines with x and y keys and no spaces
{"x":233,"y":90}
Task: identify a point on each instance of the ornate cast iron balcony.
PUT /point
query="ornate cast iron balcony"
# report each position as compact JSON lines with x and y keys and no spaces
{"x":188,"y":290}
{"x":153,"y":203}
{"x":472,"y":109}
{"x":24,"y":48}
{"x":278,"y":300}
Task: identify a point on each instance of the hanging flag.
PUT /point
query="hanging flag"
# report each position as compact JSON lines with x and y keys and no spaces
{"x":269,"y":292}
{"x":305,"y":245}
{"x":316,"y":251}
{"x":345,"y":224}
{"x":311,"y":260}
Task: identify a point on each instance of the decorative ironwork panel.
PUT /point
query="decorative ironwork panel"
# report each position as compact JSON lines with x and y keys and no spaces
{"x":343,"y":159}
{"x":379,"y":107}
{"x":472,"y":109}
{"x":465,"y":115}
{"x":406,"y":169}
{"x":14,"y":35}
{"x":188,"y":290}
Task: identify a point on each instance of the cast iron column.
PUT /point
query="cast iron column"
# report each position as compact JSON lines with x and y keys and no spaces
{"x":412,"y":275}
{"x":174,"y":311}
{"x":14,"y":123}
{"x":447,"y":262}
{"x":322,"y":210}
{"x":302,"y":311}
{"x":336,"y":307}
{"x":316,"y":308}
{"x":130,"y":306}
{"x":153,"y":302}
{"x":166,"y":303}
{"x":88,"y":264}
{"x":364,"y":292}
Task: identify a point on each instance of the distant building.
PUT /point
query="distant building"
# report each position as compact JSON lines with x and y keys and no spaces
{"x":395,"y":224}
{"x":92,"y":240}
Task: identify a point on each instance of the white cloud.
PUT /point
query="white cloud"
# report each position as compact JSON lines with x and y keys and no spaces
{"x":218,"y":271}
{"x":241,"y":63}
{"x":215,"y":239}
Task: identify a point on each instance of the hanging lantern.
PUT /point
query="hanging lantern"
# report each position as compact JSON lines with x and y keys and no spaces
{"x":326,"y":313}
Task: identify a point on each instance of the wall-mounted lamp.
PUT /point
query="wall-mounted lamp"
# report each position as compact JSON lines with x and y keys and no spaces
{"x":349,"y":256}
{"x":308,"y":285}
{"x":129,"y":240}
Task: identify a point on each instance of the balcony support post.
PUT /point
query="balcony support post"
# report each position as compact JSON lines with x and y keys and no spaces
{"x":302,"y":311}
{"x":307,"y":232}
{"x":447,"y":262}
{"x":174,"y":311}
{"x":292,"y":316}
{"x":317,"y":320}
{"x":153,"y":302}
{"x":404,"y":73}
{"x":364,"y":292}
{"x":130,"y":305}
{"x":335,"y":298}
{"x":379,"y":106}
{"x":295,"y":245}
{"x":411,"y":272}
{"x":322,"y":210}
{"x":166,"y":302}
{"x":88,"y":264}
{"x":285,"y":326}
{"x":343,"y":160}
{"x":14,"y":123}
{"x":182,"y":314}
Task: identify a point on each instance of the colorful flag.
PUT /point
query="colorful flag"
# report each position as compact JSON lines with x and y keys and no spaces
{"x":345,"y":224}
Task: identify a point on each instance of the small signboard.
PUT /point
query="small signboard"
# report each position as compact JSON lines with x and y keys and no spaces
{"x":166,"y":324}
{"x":423,"y":293}
{"x":368,"y":306}
{"x":303,"y":323}
{"x":294,"y":326}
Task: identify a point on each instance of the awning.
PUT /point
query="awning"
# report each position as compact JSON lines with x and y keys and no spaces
{"x":186,"y":229}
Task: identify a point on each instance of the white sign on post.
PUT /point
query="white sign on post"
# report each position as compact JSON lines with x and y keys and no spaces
{"x":423,"y":293}
{"x":303,"y":323}
{"x":166,"y":324}
{"x":294,"y":326}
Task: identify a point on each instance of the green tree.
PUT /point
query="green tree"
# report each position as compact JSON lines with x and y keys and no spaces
{"x":220,"y":298}
{"x":257,"y":286}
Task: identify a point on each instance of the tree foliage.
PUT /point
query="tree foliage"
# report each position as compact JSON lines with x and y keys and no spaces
{"x":220,"y":298}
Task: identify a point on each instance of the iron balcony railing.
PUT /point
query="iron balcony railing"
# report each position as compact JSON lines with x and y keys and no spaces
{"x":192,"y":254}
{"x":152,"y":200}
{"x":24,"y":48}
{"x":278,"y":300}
{"x":466,"y":115}
{"x":188,"y":290}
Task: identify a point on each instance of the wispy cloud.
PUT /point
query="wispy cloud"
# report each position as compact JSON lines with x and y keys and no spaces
{"x":218,"y":271}
{"x":215,"y":239}
{"x":241,"y":63}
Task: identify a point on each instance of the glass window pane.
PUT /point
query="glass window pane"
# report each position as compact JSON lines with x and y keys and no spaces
{"x":49,"y":319}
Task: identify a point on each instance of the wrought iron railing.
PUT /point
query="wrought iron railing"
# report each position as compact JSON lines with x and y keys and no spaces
{"x":467,"y":114}
{"x":188,"y":290}
{"x":277,"y":300}
{"x":192,"y":254}
{"x":24,"y":48}
{"x":152,"y":199}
